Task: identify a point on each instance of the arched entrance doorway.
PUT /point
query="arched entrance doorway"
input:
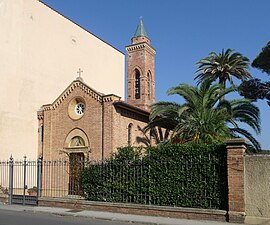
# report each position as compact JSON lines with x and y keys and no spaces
{"x":77,"y":148}
{"x":76,"y":165}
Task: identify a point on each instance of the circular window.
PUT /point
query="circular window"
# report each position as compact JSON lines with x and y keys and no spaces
{"x":79,"y":109}
{"x":76,"y":108}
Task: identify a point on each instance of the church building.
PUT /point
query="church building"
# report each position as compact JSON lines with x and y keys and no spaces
{"x":84,"y":123}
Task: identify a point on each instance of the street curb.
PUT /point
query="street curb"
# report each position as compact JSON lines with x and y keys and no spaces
{"x":106,"y":216}
{"x":96,"y":217}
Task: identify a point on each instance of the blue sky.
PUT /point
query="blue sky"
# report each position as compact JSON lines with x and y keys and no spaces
{"x":182,"y":31}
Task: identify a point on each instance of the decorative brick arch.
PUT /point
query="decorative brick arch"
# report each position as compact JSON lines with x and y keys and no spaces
{"x":136,"y":68}
{"x":76,"y":133}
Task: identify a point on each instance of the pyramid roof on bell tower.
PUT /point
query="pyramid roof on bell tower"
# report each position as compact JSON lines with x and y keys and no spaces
{"x":140,"y":31}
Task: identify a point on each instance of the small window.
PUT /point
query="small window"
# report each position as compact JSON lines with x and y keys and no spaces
{"x":130,"y":134}
{"x":137,"y":84}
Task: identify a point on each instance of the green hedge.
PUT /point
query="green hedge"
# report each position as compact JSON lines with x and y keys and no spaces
{"x":191,"y":175}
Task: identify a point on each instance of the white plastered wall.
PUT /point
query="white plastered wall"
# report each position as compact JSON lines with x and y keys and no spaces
{"x":40,"y":53}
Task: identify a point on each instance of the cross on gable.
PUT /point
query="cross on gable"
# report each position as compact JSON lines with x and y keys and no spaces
{"x":79,"y":72}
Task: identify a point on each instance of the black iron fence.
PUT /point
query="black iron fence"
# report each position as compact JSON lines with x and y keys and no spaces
{"x":199,"y":181}
{"x":20,"y":180}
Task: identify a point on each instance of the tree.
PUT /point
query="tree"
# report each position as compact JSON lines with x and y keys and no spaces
{"x":203,"y":118}
{"x":262,"y":61}
{"x":158,"y":135}
{"x":223,"y":66}
{"x":254,"y":88}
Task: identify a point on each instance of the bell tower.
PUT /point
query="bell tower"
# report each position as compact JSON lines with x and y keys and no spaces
{"x":140,"y":69}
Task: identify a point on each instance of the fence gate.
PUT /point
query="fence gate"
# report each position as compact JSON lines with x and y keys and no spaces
{"x":24,"y":181}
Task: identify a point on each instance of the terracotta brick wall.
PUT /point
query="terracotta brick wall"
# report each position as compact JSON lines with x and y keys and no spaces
{"x":108,"y":129}
{"x":104,"y":125}
{"x":121,"y":119}
{"x":236,"y":173}
{"x":137,"y":209}
{"x":58,"y":124}
{"x":141,"y":56}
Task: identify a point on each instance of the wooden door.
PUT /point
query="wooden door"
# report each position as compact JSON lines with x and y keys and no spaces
{"x":76,"y":166}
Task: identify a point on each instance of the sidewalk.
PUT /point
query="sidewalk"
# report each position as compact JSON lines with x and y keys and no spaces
{"x":111,"y":216}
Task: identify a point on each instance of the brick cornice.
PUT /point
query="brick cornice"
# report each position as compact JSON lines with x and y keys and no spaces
{"x":40,"y":114}
{"x":138,"y":46}
{"x":75,"y":84}
{"x":110,"y":98}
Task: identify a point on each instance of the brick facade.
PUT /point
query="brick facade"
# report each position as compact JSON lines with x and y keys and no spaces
{"x":94,"y":134}
{"x":103,"y":125}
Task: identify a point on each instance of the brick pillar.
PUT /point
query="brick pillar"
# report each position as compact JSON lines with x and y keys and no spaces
{"x":236,"y":149}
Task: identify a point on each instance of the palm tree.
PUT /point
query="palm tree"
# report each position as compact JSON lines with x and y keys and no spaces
{"x":203,"y":118}
{"x":223,"y":66}
{"x":158,"y":135}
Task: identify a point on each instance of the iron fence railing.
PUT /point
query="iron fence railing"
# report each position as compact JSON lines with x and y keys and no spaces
{"x":19,"y":180}
{"x":187,"y":182}
{"x":199,"y":181}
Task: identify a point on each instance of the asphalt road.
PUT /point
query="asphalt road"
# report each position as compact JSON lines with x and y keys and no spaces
{"x":31,"y":218}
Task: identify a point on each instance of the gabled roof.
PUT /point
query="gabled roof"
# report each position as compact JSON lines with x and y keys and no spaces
{"x":78,"y":83}
{"x":130,"y":107}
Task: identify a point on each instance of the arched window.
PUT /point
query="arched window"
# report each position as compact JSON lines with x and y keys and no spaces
{"x":149,"y":84}
{"x":130,"y":134}
{"x":137,"y":84}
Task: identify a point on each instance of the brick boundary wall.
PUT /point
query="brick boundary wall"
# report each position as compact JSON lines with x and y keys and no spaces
{"x":236,"y":213}
{"x":236,"y":149}
{"x":147,"y":210}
